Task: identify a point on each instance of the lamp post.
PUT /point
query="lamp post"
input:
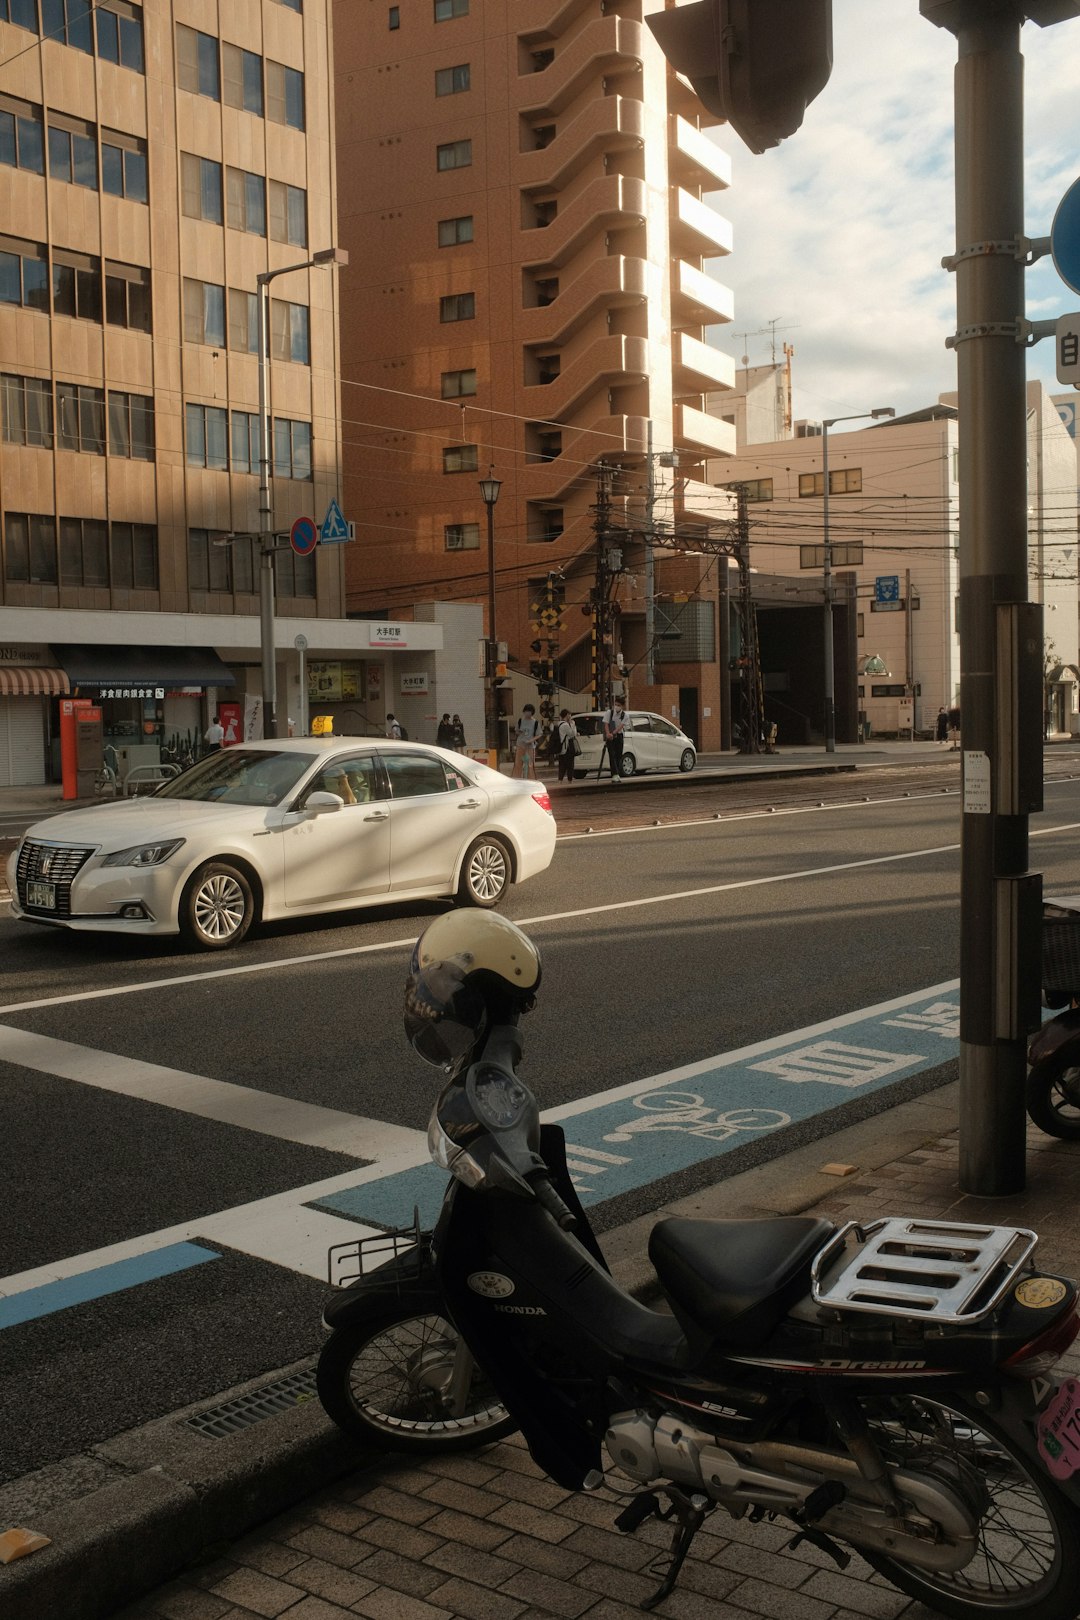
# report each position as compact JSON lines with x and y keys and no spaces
{"x":826,"y":564}
{"x":267,"y":542}
{"x":489,"y":493}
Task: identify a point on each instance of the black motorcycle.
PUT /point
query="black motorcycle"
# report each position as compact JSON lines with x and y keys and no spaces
{"x":882,"y":1387}
{"x":1053,"y":1082}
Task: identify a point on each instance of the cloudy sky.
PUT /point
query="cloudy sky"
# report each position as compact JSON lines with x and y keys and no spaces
{"x":840,"y":231}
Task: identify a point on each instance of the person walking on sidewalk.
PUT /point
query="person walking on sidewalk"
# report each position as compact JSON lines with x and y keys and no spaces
{"x":214,"y":735}
{"x":614,"y":737}
{"x":525,"y":739}
{"x":941,"y":729}
{"x":567,"y":745}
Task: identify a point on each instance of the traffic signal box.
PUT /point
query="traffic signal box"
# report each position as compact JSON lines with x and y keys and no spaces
{"x":756,"y":63}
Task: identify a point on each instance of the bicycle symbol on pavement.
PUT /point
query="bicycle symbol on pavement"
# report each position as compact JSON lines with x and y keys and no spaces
{"x":687,"y":1112}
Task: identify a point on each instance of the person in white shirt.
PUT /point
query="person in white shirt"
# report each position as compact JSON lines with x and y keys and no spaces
{"x":567,"y":732}
{"x":614,"y":738}
{"x":525,"y":739}
{"x":214,"y":735}
{"x":393,"y":727}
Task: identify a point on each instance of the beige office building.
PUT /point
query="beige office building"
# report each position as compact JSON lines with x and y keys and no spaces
{"x":154,"y":159}
{"x":521,"y":198}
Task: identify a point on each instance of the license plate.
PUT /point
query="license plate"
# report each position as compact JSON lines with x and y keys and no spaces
{"x":1059,"y":1431}
{"x":42,"y":895}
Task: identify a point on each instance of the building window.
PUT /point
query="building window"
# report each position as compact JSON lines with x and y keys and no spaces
{"x":462,"y":536}
{"x":245,"y":201}
{"x":458,"y":384}
{"x":22,"y":143}
{"x":288,"y":213}
{"x":457,"y":307}
{"x":208,"y":563}
{"x":120,"y":34}
{"x":842,"y":481}
{"x":80,"y":419}
{"x":454,"y":155}
{"x":295,"y":574}
{"x":207,"y":434}
{"x":24,"y":274}
{"x":29,"y":548}
{"x":292,"y":448}
{"x":293,"y":5}
{"x":127,"y":296}
{"x":395,"y":18}
{"x":860,"y":625}
{"x":131,"y":426}
{"x":26,"y":405}
{"x":284,"y":95}
{"x":23,"y":13}
{"x":845,"y":554}
{"x":759,"y":489}
{"x":84,"y":552}
{"x":290,"y":338}
{"x":446,"y":9}
{"x":459,"y":458}
{"x":200,"y":188}
{"x":204,"y":313}
{"x":243,"y":321}
{"x":76,"y":286}
{"x":123,"y":166}
{"x":197,"y":67}
{"x":452,"y":81}
{"x":242,"y":79}
{"x":133,"y":556}
{"x":246,"y":442}
{"x":452,"y":232}
{"x":69,"y":22}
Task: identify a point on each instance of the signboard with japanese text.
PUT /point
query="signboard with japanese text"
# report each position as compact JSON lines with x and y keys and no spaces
{"x":331,"y":681}
{"x":416,"y":685}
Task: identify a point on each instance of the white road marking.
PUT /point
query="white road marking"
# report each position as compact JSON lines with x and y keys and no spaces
{"x":262,"y":1111}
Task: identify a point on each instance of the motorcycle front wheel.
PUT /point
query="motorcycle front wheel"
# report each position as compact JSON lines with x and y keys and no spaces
{"x":1026,"y":1563}
{"x":1053,"y":1103}
{"x":391,"y":1381}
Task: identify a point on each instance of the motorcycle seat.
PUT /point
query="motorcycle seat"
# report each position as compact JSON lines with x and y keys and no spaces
{"x":735,"y":1279}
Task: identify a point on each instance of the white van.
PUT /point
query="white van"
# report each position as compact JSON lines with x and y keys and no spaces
{"x":651,"y":744}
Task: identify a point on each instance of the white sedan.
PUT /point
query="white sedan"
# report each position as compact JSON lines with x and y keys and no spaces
{"x":270,"y":829}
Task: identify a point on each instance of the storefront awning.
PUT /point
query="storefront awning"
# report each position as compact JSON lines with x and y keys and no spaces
{"x":169,"y":668}
{"x":1062,"y":675}
{"x":31,"y":680}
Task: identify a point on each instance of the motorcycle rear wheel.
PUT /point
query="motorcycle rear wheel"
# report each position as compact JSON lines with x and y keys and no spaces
{"x":386,"y":1382}
{"x":1026,"y":1563}
{"x":1053,"y":1103}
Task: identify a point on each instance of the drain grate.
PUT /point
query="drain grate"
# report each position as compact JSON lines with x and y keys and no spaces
{"x":218,"y":1422}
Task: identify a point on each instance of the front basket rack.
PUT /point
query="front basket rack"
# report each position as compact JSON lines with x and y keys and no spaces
{"x":929,"y":1270}
{"x":349,"y":1263}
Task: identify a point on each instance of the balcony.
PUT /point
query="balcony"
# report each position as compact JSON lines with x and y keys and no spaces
{"x":696,"y":431}
{"x":606,"y":284}
{"x":608,"y":45}
{"x":698,"y":368}
{"x":607,"y":361}
{"x":547,"y":18}
{"x":696,"y":299}
{"x":697,"y":160}
{"x":697,"y":228}
{"x":607,"y":124}
{"x":611,"y":202}
{"x":608,"y":438}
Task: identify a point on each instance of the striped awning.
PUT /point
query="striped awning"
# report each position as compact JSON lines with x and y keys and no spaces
{"x":32,"y":680}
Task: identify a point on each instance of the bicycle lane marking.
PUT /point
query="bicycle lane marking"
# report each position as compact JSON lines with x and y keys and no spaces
{"x":623,"y":1139}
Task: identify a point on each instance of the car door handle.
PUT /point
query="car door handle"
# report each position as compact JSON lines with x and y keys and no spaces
{"x":468,"y":804}
{"x":378,"y":815}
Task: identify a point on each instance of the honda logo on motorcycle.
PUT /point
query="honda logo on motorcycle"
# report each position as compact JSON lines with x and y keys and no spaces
{"x":490,"y":1284}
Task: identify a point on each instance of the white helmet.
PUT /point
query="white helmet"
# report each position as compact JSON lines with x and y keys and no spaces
{"x":469,"y":970}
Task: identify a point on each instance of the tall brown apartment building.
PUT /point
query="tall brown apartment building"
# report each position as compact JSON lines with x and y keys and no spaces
{"x":154,"y":160}
{"x":521,"y":198}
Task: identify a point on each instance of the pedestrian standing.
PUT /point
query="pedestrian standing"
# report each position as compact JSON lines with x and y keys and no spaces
{"x":941,"y":730}
{"x":954,"y":728}
{"x":525,"y":738}
{"x":614,"y":737}
{"x":393,"y":728}
{"x":444,"y":737}
{"x":568,"y":746}
{"x":458,"y":730}
{"x":214,"y":735}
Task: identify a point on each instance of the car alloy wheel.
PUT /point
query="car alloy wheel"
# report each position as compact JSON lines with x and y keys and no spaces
{"x":217,"y":908}
{"x":627,"y":765}
{"x":687,"y":760}
{"x":485,"y":873}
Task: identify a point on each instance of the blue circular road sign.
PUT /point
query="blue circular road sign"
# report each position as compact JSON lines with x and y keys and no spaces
{"x":1065,"y":237}
{"x":304,"y":536}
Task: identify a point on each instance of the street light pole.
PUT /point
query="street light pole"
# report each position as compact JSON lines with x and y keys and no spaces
{"x":826,"y":569}
{"x":489,"y":493}
{"x":267,"y":541}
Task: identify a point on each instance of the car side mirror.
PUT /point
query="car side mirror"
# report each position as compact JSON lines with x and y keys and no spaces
{"x":319,"y":803}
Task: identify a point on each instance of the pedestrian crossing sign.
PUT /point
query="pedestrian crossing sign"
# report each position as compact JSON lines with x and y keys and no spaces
{"x":334,"y":527}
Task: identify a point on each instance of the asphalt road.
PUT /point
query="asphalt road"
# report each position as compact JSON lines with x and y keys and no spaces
{"x":240,"y":1077}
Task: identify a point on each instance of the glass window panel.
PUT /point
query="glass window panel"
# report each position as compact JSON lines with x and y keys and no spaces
{"x":108,"y":36}
{"x":279,"y":329}
{"x":135,"y":182}
{"x":218,"y":569}
{"x":282,"y":449}
{"x":67,"y":414}
{"x":71,"y":564}
{"x":240,"y":457}
{"x":196,"y":436}
{"x":31,"y":145}
{"x":145,"y":548}
{"x":95,"y":551}
{"x":16,"y":546}
{"x":92,"y":420}
{"x":232,"y":77}
{"x":131,"y":44}
{"x":214,"y":314}
{"x":208,"y":73}
{"x":84,"y":161}
{"x":255,"y":204}
{"x":10,"y":279}
{"x":59,"y":154}
{"x":253,"y":84}
{"x":210,"y":190}
{"x":119,"y":424}
{"x":80,"y":31}
{"x":187,"y":58}
{"x":88,"y":295}
{"x":9,"y":153}
{"x":243,"y":565}
{"x":112,"y":171}
{"x":53,"y":22}
{"x":198,"y":562}
{"x":120,"y":556}
{"x":279,"y":226}
{"x":294,"y":98}
{"x":299,"y":336}
{"x":142,"y":427}
{"x":39,"y":413}
{"x":11,"y":409}
{"x":43,"y":550}
{"x":217,"y":439}
{"x":35,"y":274}
{"x":301,"y":449}
{"x":63,"y":289}
{"x":297,"y":216}
{"x":23,"y":14}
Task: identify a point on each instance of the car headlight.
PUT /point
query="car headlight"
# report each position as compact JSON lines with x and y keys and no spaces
{"x":144,"y":854}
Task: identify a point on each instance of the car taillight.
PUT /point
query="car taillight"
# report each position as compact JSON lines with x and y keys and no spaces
{"x":1035,"y":1359}
{"x":543,"y":800}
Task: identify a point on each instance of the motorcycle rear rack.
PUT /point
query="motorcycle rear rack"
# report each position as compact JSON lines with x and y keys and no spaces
{"x":349,"y":1263}
{"x":939,"y":1271}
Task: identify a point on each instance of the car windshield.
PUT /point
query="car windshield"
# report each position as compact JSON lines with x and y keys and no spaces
{"x":240,"y":776}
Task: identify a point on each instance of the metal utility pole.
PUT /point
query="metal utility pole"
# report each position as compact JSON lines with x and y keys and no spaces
{"x":650,"y":562}
{"x":489,"y":494}
{"x":608,"y":568}
{"x":1000,"y":631}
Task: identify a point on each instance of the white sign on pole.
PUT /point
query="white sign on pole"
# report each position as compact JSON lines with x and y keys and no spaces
{"x":1067,"y":348}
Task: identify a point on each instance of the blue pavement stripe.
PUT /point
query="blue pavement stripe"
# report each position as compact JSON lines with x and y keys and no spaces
{"x":674,"y":1121}
{"x":88,"y":1285}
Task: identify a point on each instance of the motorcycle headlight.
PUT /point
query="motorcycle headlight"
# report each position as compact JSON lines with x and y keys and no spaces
{"x":447,"y":1154}
{"x":144,"y":854}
